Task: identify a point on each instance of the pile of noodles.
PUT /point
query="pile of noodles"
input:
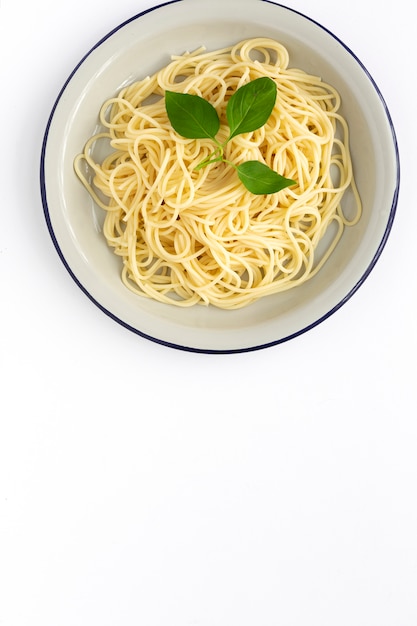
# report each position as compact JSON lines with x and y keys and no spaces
{"x":186,"y":236}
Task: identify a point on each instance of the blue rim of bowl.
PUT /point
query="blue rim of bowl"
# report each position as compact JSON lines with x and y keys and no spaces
{"x":245,"y":348}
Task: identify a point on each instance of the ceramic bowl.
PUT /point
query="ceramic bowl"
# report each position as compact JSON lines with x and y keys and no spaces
{"x":141,"y":46}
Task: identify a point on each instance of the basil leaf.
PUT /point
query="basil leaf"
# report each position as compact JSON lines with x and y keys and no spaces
{"x":248,"y":108}
{"x":191,"y":116}
{"x":251,"y":105}
{"x":259,"y":179}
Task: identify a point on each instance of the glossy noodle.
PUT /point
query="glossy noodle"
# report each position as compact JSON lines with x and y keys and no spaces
{"x":189,"y":237}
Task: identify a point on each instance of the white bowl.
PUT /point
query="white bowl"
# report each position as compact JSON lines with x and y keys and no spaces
{"x":141,"y":46}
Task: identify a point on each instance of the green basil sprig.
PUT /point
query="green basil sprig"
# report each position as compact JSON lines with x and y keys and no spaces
{"x":247,"y":110}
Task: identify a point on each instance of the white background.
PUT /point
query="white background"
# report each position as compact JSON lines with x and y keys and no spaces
{"x":144,"y":486}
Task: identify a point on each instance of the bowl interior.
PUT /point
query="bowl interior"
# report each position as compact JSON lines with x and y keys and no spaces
{"x":140,"y":47}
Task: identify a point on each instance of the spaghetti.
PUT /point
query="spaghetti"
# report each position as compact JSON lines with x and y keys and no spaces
{"x":189,"y":236}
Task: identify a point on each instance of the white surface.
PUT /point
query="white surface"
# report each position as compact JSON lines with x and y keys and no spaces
{"x":144,"y":486}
